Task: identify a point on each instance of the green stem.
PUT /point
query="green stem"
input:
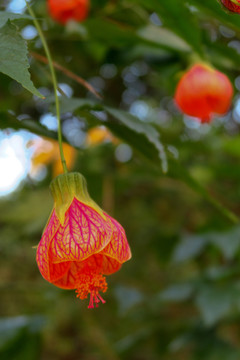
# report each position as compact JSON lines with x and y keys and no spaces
{"x":54,"y":80}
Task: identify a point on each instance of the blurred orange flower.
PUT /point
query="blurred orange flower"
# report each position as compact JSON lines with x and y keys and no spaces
{"x":203,"y":92}
{"x":65,"y":10}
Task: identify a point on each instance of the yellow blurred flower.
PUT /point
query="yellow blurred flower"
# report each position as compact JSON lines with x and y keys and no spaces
{"x":98,"y":135}
{"x":47,"y":152}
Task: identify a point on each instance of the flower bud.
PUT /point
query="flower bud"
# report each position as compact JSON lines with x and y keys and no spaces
{"x":231,"y":5}
{"x":204,"y":92}
{"x":64,"y":10}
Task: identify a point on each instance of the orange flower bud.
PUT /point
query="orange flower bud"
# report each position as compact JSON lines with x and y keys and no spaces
{"x":80,"y":243}
{"x":232,"y":5}
{"x":65,"y":10}
{"x":203,"y":92}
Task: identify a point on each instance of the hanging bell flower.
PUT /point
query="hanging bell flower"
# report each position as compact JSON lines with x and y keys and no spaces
{"x":204,"y":92}
{"x":231,"y":5}
{"x":81,"y":244}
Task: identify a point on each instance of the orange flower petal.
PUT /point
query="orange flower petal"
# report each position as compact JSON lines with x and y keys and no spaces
{"x":107,"y":266}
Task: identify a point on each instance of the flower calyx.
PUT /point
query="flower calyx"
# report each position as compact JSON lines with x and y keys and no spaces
{"x":65,"y":188}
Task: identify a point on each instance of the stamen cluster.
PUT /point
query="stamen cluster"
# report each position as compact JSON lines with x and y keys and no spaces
{"x":91,"y":283}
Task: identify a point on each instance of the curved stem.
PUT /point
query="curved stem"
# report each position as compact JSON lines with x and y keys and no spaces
{"x":54,"y":80}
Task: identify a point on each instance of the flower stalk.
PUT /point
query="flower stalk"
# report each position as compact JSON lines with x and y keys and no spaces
{"x":54,"y":81}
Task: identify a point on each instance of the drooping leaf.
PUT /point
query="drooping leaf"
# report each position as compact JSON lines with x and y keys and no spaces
{"x":217,"y":301}
{"x":125,"y":119}
{"x":13,"y":57}
{"x":214,"y":9}
{"x":20,"y":337}
{"x":164,"y":38}
{"x":5,"y":16}
{"x":144,"y":137}
{"x":189,"y":247}
{"x":10,"y":122}
{"x":175,"y":15}
{"x":179,"y":172}
{"x":228,"y":242}
{"x":147,"y":130}
{"x":109,"y":33}
{"x":177,"y":292}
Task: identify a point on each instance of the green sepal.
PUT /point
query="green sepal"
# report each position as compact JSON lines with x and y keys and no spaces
{"x":235,"y":2}
{"x":65,"y":188}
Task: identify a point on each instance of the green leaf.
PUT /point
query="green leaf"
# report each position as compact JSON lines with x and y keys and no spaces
{"x":20,"y":337}
{"x":140,"y":127}
{"x":164,"y":38}
{"x":127,"y":298}
{"x":10,"y":326}
{"x":176,"y":16}
{"x":189,"y":247}
{"x":217,"y":301}
{"x":128,"y":121}
{"x":72,"y":104}
{"x":232,"y":146}
{"x":228,"y":242}
{"x":109,"y":33}
{"x":144,"y":138}
{"x":5,"y":16}
{"x":222,"y":56}
{"x":122,"y":35}
{"x":178,"y":171}
{"x":176,"y":292}
{"x":10,"y":122}
{"x":13,"y":57}
{"x":214,"y":9}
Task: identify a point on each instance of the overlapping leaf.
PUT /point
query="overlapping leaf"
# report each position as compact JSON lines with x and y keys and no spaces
{"x":175,"y":15}
{"x":14,"y":57}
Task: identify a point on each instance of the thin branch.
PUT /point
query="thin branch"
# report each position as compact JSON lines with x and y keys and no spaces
{"x":48,"y":76}
{"x":68,"y":73}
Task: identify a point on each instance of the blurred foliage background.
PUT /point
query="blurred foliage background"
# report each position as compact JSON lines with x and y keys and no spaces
{"x":179,"y":296}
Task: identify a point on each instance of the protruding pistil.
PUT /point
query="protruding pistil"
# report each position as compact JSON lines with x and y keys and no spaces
{"x":91,"y":283}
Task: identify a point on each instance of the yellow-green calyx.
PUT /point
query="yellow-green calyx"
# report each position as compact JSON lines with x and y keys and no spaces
{"x":235,"y":2}
{"x":65,"y":188}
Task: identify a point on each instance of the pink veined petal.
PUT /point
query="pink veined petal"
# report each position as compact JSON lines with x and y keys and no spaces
{"x":83,"y":234}
{"x":85,"y":241}
{"x":50,"y":271}
{"x":118,"y":247}
{"x":104,"y":264}
{"x":42,"y":255}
